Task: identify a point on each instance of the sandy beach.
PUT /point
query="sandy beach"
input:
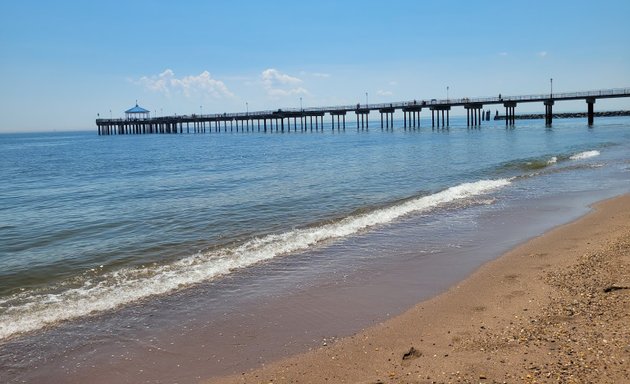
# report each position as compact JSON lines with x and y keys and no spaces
{"x":555,"y":309}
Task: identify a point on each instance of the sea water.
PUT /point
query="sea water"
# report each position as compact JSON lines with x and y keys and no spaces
{"x":92,"y":224}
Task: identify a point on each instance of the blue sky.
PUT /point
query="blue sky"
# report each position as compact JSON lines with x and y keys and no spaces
{"x":64,"y":62}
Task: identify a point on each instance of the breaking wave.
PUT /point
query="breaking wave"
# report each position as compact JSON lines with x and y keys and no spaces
{"x":99,"y":292}
{"x":584,"y":155}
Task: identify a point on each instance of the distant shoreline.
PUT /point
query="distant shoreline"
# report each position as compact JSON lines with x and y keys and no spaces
{"x":570,"y":115}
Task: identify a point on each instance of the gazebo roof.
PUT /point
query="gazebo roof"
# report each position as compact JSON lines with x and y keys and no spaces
{"x":136,"y":109}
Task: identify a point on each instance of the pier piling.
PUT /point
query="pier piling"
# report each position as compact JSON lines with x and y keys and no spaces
{"x":548,"y":112}
{"x":510,"y":112}
{"x":590,"y":115}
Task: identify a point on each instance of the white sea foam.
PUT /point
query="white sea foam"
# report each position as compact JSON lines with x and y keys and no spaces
{"x":128,"y":285}
{"x":553,"y":160}
{"x":584,"y":155}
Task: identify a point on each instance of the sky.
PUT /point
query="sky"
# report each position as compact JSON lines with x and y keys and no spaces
{"x":65,"y":63}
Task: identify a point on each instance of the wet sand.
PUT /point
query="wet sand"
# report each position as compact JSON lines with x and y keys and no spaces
{"x":555,"y":309}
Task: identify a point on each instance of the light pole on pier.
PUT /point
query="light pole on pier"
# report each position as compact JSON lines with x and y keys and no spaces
{"x":447,"y":87}
{"x":551,"y":88}
{"x":246,"y":108}
{"x":201,"y":110}
{"x":110,"y":114}
{"x":366,"y":99}
{"x":301,"y":109}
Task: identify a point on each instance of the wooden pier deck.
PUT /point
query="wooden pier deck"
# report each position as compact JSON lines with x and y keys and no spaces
{"x":311,"y":119}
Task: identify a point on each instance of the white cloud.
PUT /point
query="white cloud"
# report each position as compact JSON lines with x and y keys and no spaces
{"x":278,"y":84}
{"x":542,"y":53}
{"x":503,"y":53}
{"x":393,"y":83}
{"x":166,"y":82}
{"x":381,"y":92}
{"x":316,"y":74}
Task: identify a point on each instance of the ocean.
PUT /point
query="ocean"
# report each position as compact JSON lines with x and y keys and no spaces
{"x":91,"y":226}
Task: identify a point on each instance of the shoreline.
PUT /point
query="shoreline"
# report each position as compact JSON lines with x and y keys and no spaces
{"x":553,"y":309}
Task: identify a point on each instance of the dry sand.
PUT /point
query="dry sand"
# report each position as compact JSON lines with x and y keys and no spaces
{"x":555,"y":309}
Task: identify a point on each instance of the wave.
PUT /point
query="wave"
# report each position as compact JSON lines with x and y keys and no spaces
{"x":584,"y":155}
{"x":540,"y":163}
{"x":531,"y":164}
{"x":29,"y":311}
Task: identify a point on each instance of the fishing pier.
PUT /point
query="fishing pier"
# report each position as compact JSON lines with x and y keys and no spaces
{"x":138,"y":120}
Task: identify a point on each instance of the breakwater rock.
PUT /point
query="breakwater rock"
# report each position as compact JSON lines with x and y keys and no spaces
{"x":572,"y":115}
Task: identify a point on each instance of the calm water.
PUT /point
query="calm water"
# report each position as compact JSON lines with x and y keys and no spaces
{"x":89,"y":224}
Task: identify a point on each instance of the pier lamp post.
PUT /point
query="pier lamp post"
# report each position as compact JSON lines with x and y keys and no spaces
{"x":551,"y":88}
{"x":301,"y":109}
{"x":366,"y":99}
{"x":110,"y":114}
{"x":201,"y":110}
{"x":246,"y":108}
{"x":447,"y":87}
